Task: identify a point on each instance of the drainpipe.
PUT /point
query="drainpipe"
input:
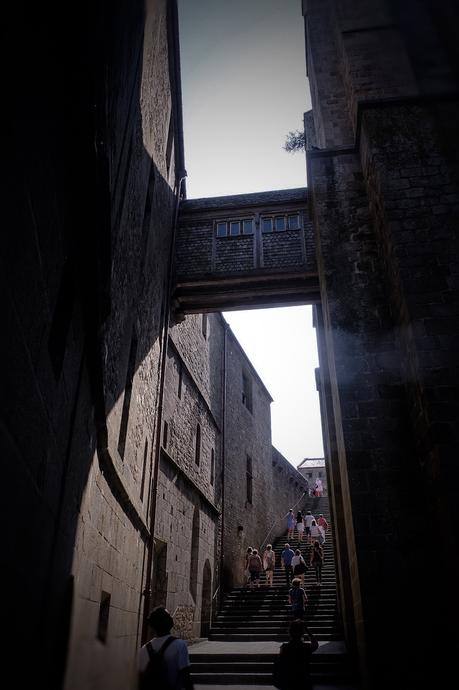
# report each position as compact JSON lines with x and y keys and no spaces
{"x":159,"y":417}
{"x":223,"y":457}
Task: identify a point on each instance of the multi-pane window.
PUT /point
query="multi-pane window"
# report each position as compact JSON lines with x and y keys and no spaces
{"x":249,"y":479}
{"x":280,"y":223}
{"x":247,"y":392}
{"x":234,"y":227}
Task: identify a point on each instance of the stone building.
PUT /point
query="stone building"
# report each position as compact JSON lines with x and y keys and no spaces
{"x":382,"y":159}
{"x":95,"y":452}
{"x":313,"y":469}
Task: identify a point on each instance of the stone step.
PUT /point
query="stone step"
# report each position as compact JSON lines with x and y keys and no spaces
{"x":263,"y":637}
{"x":263,"y":678}
{"x":255,"y":666}
{"x":267,"y":615}
{"x":268,"y":624}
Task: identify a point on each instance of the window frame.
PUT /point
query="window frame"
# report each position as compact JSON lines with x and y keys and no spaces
{"x":228,"y":222}
{"x":273,"y":216}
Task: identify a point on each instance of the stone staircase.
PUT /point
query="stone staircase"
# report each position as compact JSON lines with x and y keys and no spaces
{"x":260,"y":618}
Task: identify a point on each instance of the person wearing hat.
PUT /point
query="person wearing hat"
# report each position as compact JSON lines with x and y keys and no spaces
{"x":174,"y":651}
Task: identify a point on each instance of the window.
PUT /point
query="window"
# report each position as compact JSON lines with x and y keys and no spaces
{"x":266,"y":224}
{"x":249,"y":479}
{"x":294,"y":222}
{"x":180,"y":380}
{"x":221,"y":229}
{"x":144,"y":469}
{"x":212,"y":467}
{"x":104,"y":612}
{"x":165,"y":434}
{"x":204,"y":325}
{"x":247,"y":226}
{"x":247,"y":392}
{"x":280,"y":223}
{"x":234,"y":227}
{"x":197,"y":449}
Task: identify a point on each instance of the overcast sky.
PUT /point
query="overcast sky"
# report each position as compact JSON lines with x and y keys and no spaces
{"x":244,"y":87}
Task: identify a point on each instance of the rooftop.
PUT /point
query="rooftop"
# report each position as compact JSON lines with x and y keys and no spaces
{"x":311,"y":462}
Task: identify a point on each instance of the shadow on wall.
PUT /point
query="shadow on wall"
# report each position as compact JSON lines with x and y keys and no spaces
{"x":78,"y":270}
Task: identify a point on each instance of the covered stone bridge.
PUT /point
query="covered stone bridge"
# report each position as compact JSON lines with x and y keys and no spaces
{"x":244,"y":251}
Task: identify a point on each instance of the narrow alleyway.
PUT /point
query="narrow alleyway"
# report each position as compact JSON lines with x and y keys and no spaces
{"x":246,"y":635}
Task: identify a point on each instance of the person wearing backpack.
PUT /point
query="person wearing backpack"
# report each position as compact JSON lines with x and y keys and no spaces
{"x":291,"y":669}
{"x":163,"y":663}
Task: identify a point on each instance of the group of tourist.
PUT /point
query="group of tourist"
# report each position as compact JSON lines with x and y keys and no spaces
{"x":254,"y":566}
{"x":164,"y":662}
{"x":308,"y":525}
{"x":293,"y":562}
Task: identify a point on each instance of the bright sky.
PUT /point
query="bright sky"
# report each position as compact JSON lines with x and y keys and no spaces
{"x":244,"y":88}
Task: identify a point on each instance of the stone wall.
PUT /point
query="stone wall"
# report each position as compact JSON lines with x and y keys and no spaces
{"x":189,"y":487}
{"x":384,"y":199}
{"x":111,"y":545}
{"x":84,"y":271}
{"x":288,"y":489}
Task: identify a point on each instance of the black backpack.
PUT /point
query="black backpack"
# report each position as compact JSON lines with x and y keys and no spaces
{"x":155,"y":675}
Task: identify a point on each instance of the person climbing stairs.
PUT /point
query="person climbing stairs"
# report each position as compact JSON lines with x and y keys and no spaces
{"x":246,"y":634}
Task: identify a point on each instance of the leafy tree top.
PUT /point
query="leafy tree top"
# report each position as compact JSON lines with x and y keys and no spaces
{"x":294,"y":142}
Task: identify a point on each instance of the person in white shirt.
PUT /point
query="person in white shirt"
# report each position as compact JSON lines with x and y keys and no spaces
{"x":308,"y":518}
{"x":175,"y":654}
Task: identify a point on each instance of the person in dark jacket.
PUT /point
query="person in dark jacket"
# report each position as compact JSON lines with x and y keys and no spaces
{"x":291,"y":667}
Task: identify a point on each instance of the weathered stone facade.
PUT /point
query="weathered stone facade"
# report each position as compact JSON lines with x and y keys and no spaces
{"x":384,"y":199}
{"x":245,"y":250}
{"x":92,"y":194}
{"x":100,"y":502}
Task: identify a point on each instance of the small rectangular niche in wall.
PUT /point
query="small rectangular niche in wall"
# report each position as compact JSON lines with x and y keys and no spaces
{"x":165,"y":434}
{"x":180,"y":380}
{"x":204,"y":325}
{"x":212,"y":467}
{"x":197,"y":449}
{"x":104,"y":613}
{"x":144,"y":469}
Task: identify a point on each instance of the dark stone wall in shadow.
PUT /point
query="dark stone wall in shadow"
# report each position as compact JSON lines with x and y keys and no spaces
{"x":84,"y":258}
